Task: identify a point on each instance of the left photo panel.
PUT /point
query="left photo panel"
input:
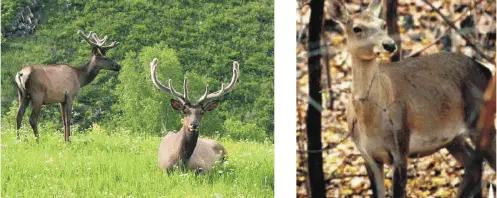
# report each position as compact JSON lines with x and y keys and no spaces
{"x":137,"y":99}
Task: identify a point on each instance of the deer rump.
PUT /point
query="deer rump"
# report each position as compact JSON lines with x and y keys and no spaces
{"x":204,"y":156}
{"x":434,"y":115}
{"x":21,"y":78}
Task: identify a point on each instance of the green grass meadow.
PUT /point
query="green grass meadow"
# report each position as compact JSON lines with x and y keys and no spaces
{"x":98,"y":164}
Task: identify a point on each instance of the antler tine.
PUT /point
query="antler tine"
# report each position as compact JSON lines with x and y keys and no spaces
{"x":112,"y":45}
{"x":223,"y":90}
{"x":205,"y":94}
{"x":158,"y":84}
{"x":185,"y":89}
{"x":93,"y":39}
{"x":99,"y":41}
{"x":87,"y":38}
{"x":175,"y":93}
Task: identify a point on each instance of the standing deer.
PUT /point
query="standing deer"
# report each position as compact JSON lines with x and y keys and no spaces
{"x":409,"y":108}
{"x":185,"y":148}
{"x":60,"y":83}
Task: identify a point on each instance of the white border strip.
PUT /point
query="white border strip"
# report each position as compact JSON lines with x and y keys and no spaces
{"x":285,"y":98}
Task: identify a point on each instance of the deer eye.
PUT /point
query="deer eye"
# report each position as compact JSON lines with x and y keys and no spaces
{"x":357,"y":30}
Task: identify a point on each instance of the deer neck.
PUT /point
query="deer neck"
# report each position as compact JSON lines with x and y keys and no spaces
{"x":366,"y":94}
{"x":87,"y":72}
{"x":188,"y":142}
{"x":365,"y":79}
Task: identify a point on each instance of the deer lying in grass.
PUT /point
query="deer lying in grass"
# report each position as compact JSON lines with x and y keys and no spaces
{"x":60,"y":83}
{"x":409,"y":108}
{"x":185,"y":148}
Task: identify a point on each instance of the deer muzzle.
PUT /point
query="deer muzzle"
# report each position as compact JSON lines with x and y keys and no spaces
{"x":390,"y":47}
{"x":194,"y":126}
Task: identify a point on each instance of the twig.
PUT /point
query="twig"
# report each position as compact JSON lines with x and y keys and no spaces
{"x":427,"y":46}
{"x":347,"y":176}
{"x":436,"y":40}
{"x":466,"y":38}
{"x":334,"y":145}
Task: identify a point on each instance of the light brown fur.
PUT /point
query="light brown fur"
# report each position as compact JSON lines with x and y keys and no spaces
{"x":408,"y":108}
{"x":206,"y":152}
{"x":60,"y":83}
{"x":185,"y":148}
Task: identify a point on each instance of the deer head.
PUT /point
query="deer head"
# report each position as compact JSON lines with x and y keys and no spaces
{"x":99,"y":60}
{"x":193,"y":112}
{"x":366,"y":33}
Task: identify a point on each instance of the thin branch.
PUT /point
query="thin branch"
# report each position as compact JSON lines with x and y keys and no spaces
{"x":333,"y":145}
{"x":347,"y":176}
{"x":465,"y":37}
{"x":463,"y":16}
{"x":426,"y":47}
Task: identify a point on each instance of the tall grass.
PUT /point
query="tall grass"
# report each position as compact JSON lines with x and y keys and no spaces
{"x":97,"y":164}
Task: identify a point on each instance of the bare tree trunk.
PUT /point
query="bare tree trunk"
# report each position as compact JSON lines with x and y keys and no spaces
{"x":393,"y":27}
{"x":313,"y":122}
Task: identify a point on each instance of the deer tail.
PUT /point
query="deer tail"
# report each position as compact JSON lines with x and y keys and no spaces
{"x":21,"y":78}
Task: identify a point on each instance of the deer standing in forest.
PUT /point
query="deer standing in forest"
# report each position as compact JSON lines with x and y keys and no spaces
{"x":185,"y":148}
{"x":409,"y":108}
{"x":60,"y":83}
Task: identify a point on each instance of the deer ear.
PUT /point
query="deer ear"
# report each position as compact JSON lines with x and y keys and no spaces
{"x":375,"y":7}
{"x":210,"y":106}
{"x":176,"y":105}
{"x":339,"y":12}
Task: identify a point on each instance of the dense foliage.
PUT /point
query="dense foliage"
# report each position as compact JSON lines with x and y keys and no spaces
{"x":199,"y":40}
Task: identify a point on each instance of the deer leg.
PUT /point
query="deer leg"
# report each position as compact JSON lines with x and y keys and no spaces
{"x":472,"y":162}
{"x":23,"y":104}
{"x":460,"y":150}
{"x":63,"y":113}
{"x":67,"y":121}
{"x":199,"y":171}
{"x":399,"y":176}
{"x":471,"y":184}
{"x":376,"y":178}
{"x":399,"y":157}
{"x":33,"y":119}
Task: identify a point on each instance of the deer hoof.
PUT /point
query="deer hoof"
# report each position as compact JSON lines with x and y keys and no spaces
{"x":199,"y":171}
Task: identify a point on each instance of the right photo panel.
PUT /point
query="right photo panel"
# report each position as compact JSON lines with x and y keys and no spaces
{"x":396,"y":98}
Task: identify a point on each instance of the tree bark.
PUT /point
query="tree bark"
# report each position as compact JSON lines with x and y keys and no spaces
{"x":393,"y":27}
{"x":313,"y":121}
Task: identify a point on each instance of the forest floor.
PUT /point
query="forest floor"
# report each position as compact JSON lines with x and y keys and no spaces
{"x":96,"y":164}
